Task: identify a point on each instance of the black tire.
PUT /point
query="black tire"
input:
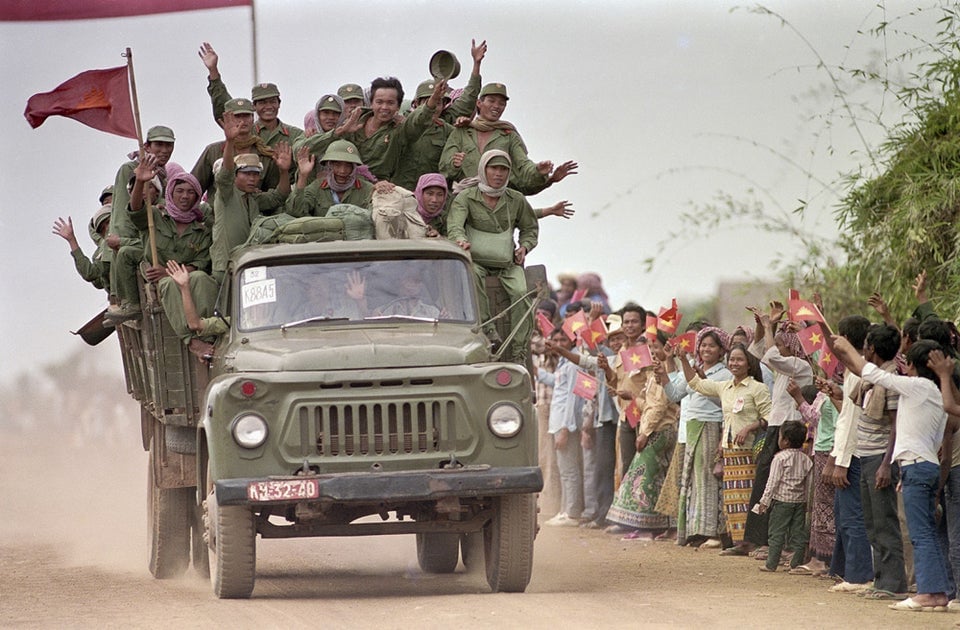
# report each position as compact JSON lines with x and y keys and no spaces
{"x":198,"y":546}
{"x":232,"y":549}
{"x":471,"y":551}
{"x":438,"y":552}
{"x":180,"y":439}
{"x":169,"y":516}
{"x":508,"y":542}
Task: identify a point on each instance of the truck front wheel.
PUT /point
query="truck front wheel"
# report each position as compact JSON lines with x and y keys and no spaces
{"x":508,"y":542}
{"x":232,"y":541}
{"x":438,"y":552}
{"x":169,"y":514}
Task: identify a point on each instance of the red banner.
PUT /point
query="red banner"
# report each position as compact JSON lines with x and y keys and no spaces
{"x":97,"y":98}
{"x":46,"y":10}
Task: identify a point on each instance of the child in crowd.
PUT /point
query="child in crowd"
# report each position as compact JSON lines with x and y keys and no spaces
{"x":785,"y":497}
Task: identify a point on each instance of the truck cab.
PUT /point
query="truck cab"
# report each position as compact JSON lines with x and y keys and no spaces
{"x":355,"y":394}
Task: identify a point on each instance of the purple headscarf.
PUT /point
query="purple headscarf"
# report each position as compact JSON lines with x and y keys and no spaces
{"x":430,"y":180}
{"x":180,"y":216}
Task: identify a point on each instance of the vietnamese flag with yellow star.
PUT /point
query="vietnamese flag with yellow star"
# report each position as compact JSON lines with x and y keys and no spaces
{"x":636,"y":358}
{"x":586,"y":385}
{"x":633,"y":413}
{"x":575,"y":325}
{"x":803,"y":311}
{"x":594,"y":334}
{"x":546,"y":326}
{"x":684,"y":343}
{"x":97,"y":98}
{"x":811,"y":338}
{"x":827,"y":361}
{"x":669,"y":318}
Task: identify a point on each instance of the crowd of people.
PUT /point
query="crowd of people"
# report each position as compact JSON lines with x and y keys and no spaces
{"x":818,"y":454}
{"x":448,"y":166}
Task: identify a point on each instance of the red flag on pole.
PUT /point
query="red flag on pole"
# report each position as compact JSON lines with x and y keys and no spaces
{"x":811,"y":338}
{"x":827,"y":361}
{"x":633,"y":414}
{"x":636,"y":357}
{"x":669,"y":318}
{"x":43,"y":10}
{"x":594,"y":334}
{"x":546,"y":326}
{"x":586,"y":385}
{"x":574,"y":325}
{"x":793,"y":294}
{"x":802,"y":311}
{"x":578,"y":295}
{"x":97,"y":98}
{"x":650,"y":331}
{"x":685,"y":342}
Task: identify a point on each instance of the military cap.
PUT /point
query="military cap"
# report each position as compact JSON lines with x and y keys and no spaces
{"x":264,"y":90}
{"x":499,"y":160}
{"x":341,"y":151}
{"x":329,"y":102}
{"x":494,"y":89}
{"x":106,"y":191}
{"x":350,"y":91}
{"x":101,"y":215}
{"x":239,"y":106}
{"x":248,"y":162}
{"x":425,"y":89}
{"x":160,"y":134}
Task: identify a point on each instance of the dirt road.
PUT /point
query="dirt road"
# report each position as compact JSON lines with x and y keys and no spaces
{"x":73,"y":554}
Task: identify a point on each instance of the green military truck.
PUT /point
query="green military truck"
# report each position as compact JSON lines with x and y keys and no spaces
{"x":354,"y":394}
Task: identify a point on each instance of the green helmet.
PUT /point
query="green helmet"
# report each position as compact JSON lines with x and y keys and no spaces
{"x":342,"y":151}
{"x":101,"y":215}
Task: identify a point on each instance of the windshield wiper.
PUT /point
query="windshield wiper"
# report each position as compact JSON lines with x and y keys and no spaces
{"x":315,"y":318}
{"x":429,"y":320}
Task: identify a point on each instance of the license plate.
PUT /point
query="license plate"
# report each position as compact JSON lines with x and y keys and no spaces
{"x":283,"y":490}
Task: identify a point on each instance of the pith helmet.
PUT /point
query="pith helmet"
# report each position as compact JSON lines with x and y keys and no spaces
{"x":342,"y":151}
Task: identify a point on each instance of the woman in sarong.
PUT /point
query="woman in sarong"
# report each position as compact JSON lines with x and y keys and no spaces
{"x":745,"y":401}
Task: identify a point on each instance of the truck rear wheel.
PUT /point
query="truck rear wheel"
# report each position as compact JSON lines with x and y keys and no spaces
{"x":233,"y":548}
{"x":169,"y":514}
{"x":508,"y":542}
{"x":438,"y":552}
{"x":199,"y":551}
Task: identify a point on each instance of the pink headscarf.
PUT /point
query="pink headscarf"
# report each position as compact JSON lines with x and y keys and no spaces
{"x":720,"y":333}
{"x":429,"y":180}
{"x":792,"y":341}
{"x":180,"y":216}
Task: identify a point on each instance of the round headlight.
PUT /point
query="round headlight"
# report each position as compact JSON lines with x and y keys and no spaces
{"x":505,"y":420}
{"x":250,"y":430}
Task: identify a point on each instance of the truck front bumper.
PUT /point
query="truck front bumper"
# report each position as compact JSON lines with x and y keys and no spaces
{"x":392,"y":487}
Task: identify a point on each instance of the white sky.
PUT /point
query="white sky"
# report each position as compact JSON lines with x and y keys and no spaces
{"x":646,"y":95}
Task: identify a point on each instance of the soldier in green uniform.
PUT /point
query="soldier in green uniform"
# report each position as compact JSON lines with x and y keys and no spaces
{"x":352,"y":96}
{"x":484,"y":217}
{"x":376,"y":133}
{"x":106,"y":196}
{"x":339,"y":182}
{"x":95,"y":270}
{"x":239,"y":200}
{"x":465,"y":145}
{"x":265,"y":97}
{"x":241,"y":110}
{"x":423,"y":154}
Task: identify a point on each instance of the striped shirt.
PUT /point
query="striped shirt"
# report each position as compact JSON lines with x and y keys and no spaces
{"x":789,"y":472}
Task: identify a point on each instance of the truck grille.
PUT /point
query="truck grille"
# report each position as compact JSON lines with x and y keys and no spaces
{"x":378,"y":428}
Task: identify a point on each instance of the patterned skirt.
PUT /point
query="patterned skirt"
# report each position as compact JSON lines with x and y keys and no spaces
{"x":738,"y":473}
{"x":668,"y":503}
{"x":634,"y":505}
{"x":701,"y":495}
{"x":822,"y":529}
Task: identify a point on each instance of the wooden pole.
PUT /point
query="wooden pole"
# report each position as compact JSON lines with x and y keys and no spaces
{"x":151,"y":230}
{"x":253,"y":31}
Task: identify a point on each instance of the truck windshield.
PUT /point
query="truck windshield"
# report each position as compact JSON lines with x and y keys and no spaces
{"x":345,"y":293}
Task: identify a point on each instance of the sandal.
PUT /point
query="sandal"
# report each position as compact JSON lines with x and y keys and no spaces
{"x":880,"y":594}
{"x":800,"y":570}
